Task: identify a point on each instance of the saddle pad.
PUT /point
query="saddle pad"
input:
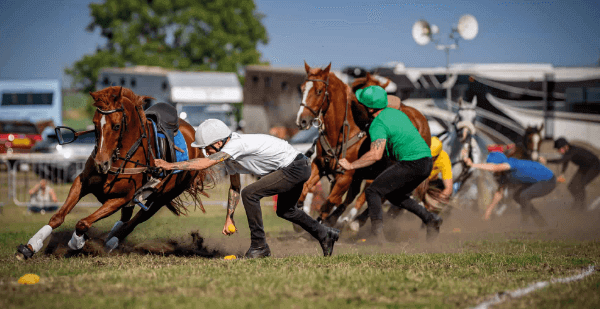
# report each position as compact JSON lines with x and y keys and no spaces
{"x":180,"y":142}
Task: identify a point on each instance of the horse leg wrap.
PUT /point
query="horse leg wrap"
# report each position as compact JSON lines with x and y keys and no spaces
{"x":111,"y":244}
{"x":114,"y":229}
{"x":76,"y":242}
{"x":348,"y":217}
{"x":37,"y":241}
{"x":308,"y":202}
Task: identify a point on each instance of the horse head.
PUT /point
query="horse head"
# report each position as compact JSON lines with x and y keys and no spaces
{"x":116,"y":122}
{"x":370,"y":80}
{"x":315,"y":96}
{"x":533,"y":140}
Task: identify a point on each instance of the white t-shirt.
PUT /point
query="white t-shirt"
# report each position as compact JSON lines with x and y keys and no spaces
{"x":257,"y":154}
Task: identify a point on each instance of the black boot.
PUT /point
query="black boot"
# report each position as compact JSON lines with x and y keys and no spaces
{"x":377,"y":230}
{"x":330,"y":238}
{"x":258,"y":252}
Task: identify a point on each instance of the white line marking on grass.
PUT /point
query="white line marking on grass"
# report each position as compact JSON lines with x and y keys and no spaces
{"x":502,"y":296}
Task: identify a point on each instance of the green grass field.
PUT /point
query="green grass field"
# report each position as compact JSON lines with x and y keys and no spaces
{"x":407,"y":273}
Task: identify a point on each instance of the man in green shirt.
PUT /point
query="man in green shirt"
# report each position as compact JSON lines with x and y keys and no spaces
{"x":393,"y":132}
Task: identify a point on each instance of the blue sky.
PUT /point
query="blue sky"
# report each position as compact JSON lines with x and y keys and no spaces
{"x":38,"y":39}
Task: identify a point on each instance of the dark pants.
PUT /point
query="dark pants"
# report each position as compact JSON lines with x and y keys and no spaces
{"x":287,"y":183}
{"x":396,"y":184}
{"x":577,"y":185}
{"x":526,"y":193}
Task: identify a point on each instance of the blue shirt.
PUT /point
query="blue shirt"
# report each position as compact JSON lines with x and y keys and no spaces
{"x":525,"y":171}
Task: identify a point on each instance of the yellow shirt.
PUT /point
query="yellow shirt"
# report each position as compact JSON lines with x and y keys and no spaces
{"x":442,"y":165}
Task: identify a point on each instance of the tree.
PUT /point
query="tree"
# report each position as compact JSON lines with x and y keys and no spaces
{"x":194,"y":35}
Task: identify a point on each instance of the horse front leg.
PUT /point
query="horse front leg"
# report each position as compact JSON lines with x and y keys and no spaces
{"x":108,"y":208}
{"x":127,"y":227}
{"x":342,"y":183}
{"x":126,"y":214}
{"x":36,"y":242}
{"x":309,"y":185}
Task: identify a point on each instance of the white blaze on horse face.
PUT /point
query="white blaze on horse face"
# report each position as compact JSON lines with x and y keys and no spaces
{"x":102,"y":123}
{"x":535,"y":139}
{"x":307,"y":89}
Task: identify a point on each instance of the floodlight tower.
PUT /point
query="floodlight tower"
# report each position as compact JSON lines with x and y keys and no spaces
{"x":423,"y":33}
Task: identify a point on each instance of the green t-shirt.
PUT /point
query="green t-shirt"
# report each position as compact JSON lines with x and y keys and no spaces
{"x":402,"y":137}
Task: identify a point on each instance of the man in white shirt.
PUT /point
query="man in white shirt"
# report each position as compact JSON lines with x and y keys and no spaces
{"x":283,"y":171}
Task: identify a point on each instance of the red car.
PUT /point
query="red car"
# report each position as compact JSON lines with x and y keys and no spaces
{"x":18,"y":136}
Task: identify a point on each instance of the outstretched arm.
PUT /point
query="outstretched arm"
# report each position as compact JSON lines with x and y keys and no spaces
{"x":373,"y":155}
{"x":193,"y":164}
{"x":232,"y":201}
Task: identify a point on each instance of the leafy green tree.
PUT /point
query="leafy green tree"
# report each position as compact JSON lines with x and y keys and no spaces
{"x":198,"y":35}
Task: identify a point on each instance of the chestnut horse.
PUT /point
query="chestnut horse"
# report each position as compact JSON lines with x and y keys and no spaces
{"x":327,"y":102}
{"x":121,"y":163}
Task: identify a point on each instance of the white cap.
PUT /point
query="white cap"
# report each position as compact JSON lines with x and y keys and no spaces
{"x":210,"y":131}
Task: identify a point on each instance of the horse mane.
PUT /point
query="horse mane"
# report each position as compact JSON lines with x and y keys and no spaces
{"x":105,"y":98}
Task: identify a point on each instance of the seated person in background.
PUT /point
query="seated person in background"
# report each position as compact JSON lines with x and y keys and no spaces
{"x":439,"y":189}
{"x":532,"y":180}
{"x":42,"y":197}
{"x":589,"y":168}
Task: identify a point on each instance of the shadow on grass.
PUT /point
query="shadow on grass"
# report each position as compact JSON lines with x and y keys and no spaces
{"x":189,"y":246}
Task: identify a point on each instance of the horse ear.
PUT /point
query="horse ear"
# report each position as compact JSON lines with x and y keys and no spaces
{"x":386,"y":84}
{"x":93,"y":95}
{"x":306,"y":67}
{"x":327,"y":69}
{"x":118,"y":96}
{"x":541,"y":127}
{"x":368,"y":76}
{"x":143,"y":100}
{"x":460,"y":102}
{"x":474,"y":103}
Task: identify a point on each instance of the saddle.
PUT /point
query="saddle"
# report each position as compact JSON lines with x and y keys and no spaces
{"x":164,"y":116}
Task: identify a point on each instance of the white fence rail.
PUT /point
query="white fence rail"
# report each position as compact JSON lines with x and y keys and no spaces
{"x":19,"y":173}
{"x":22,"y":172}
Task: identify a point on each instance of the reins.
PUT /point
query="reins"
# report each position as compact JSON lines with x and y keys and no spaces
{"x":345,"y":130}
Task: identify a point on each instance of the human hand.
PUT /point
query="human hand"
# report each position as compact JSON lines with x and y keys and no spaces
{"x":542,"y":160}
{"x":226,"y":231}
{"x":162,"y":164}
{"x":345,"y":164}
{"x":468,"y":161}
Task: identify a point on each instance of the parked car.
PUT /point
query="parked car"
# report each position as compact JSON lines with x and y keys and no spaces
{"x":18,"y":136}
{"x":68,"y":160}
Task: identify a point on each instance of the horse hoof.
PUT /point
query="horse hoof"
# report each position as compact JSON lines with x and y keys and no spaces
{"x":23,"y":253}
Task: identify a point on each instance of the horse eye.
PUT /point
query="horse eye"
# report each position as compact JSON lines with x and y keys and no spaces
{"x":319,"y":92}
{"x":116,"y":127}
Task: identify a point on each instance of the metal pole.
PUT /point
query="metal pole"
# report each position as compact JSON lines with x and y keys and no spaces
{"x":448,"y":88}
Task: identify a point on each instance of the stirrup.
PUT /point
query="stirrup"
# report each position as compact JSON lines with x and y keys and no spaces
{"x":141,"y":196}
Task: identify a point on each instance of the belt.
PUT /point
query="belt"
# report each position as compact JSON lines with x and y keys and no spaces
{"x":300,"y":156}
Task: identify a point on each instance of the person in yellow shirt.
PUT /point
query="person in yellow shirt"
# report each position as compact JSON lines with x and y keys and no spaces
{"x":440,"y":188}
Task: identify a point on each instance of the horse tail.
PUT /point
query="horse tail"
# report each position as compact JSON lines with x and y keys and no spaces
{"x":201,"y":180}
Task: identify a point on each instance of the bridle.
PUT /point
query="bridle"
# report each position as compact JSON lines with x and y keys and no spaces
{"x":127,"y":159}
{"x":319,"y":112}
{"x":345,"y":129}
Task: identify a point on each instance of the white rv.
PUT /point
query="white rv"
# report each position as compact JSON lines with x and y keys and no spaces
{"x":197,"y":96}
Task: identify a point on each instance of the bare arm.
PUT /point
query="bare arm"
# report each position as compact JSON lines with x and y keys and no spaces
{"x":373,"y":155}
{"x":193,"y":164}
{"x":490,"y":167}
{"x":447,"y":187}
{"x":495,"y":201}
{"x":34,"y":189}
{"x":232,"y":201}
{"x":52,"y":195}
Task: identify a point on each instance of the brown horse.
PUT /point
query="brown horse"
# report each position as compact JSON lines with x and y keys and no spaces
{"x":121,"y":163}
{"x":327,"y":102}
{"x":529,"y":147}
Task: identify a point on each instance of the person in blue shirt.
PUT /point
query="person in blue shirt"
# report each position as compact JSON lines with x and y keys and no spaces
{"x":531,"y":179}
